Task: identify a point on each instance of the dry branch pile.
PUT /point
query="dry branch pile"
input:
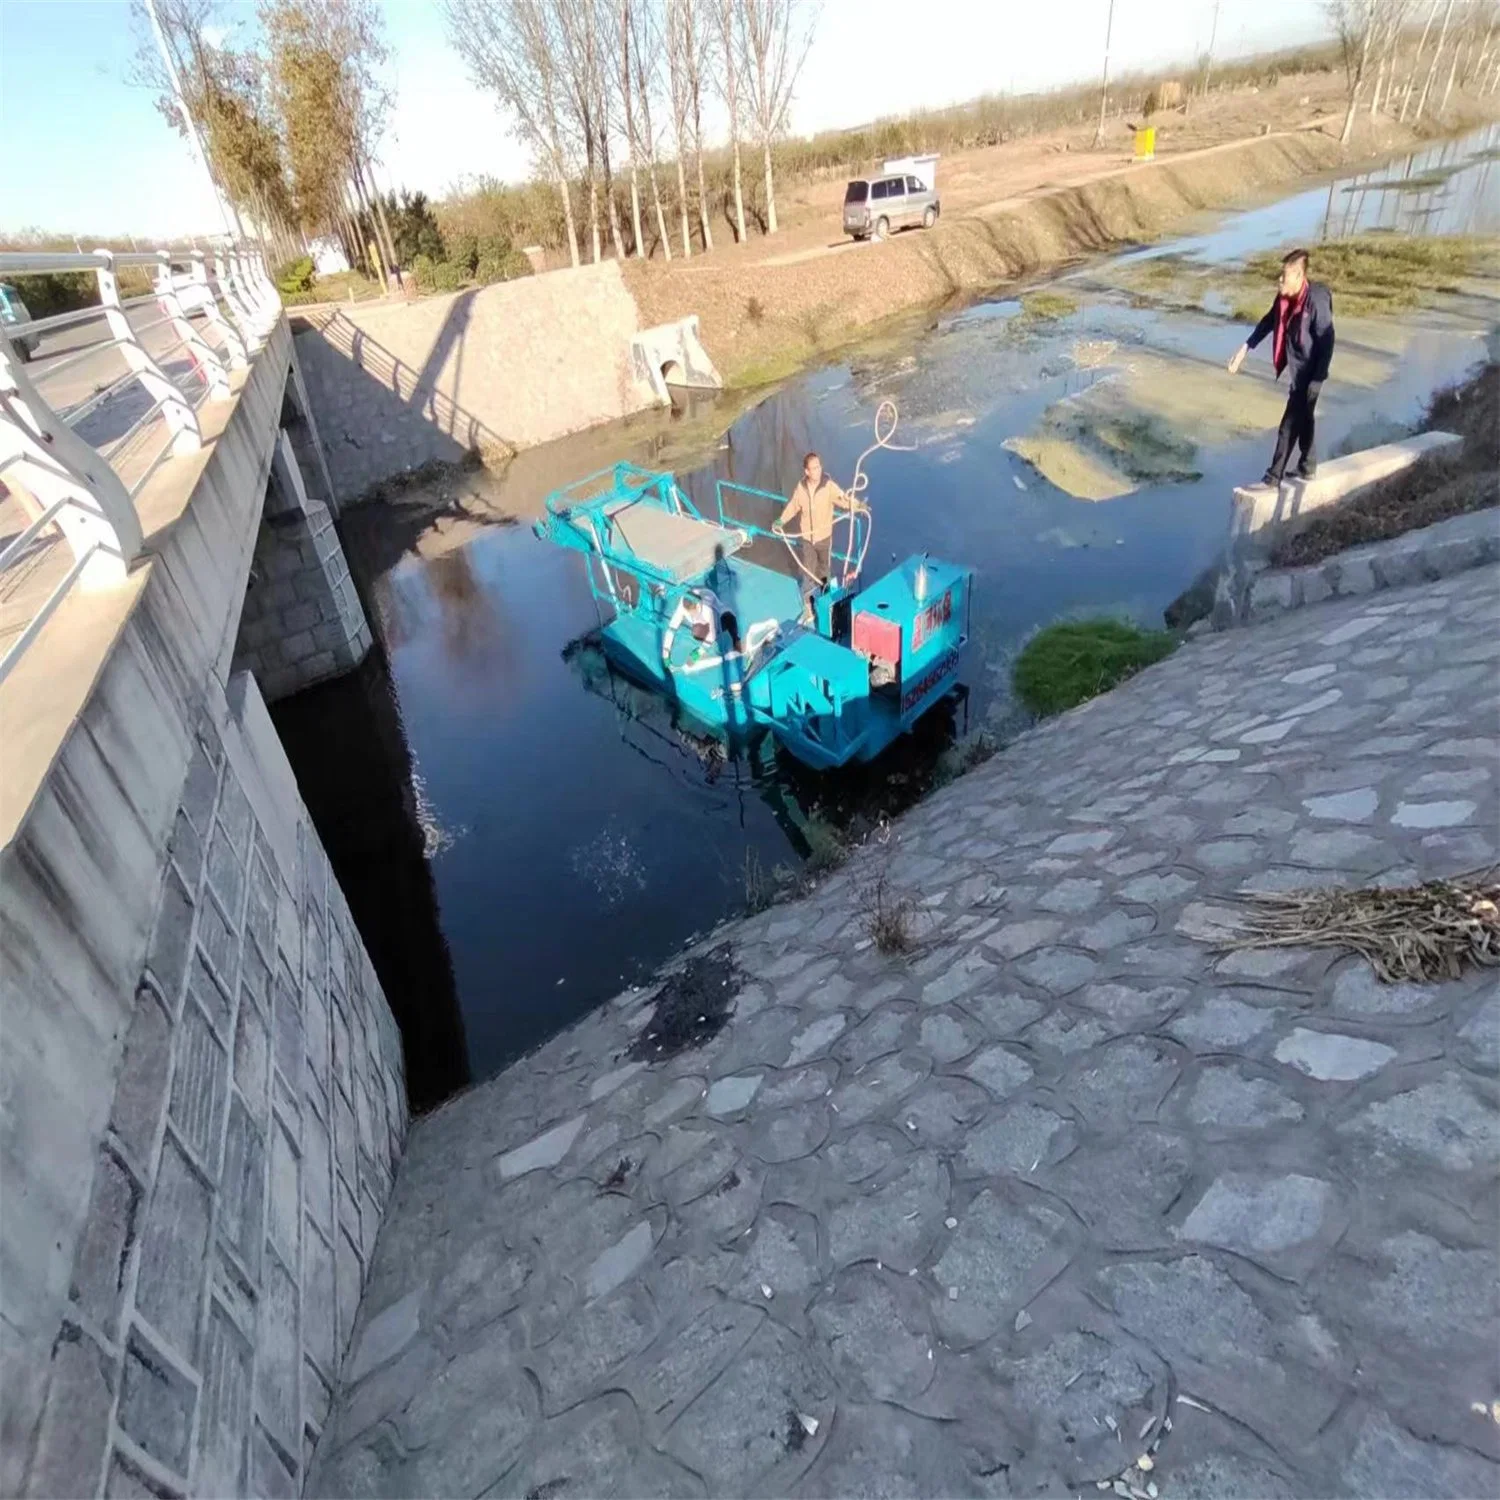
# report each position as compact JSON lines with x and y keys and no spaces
{"x":1418,"y":932}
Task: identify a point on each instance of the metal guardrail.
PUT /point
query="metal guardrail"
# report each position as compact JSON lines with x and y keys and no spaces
{"x":85,"y":425}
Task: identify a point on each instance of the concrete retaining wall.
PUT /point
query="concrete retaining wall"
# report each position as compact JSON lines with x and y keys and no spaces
{"x":161,"y":1285}
{"x":1265,"y":513}
{"x":398,"y":385}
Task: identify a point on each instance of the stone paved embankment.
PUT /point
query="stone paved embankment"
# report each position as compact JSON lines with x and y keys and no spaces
{"x":1068,"y":1185}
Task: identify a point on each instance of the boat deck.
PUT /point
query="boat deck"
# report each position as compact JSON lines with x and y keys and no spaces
{"x":680,"y":546}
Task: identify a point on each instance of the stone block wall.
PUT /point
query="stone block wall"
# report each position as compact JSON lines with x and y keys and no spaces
{"x":396,"y":385}
{"x":258,"y":1113}
{"x":303,"y":621}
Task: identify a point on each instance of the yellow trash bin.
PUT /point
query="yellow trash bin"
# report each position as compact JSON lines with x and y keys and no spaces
{"x":1145,"y":143}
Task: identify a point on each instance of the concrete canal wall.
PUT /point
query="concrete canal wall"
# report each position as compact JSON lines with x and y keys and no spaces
{"x":398,"y":385}
{"x":201,"y":1085}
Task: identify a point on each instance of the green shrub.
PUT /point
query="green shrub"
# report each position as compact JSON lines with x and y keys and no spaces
{"x":422,"y":267}
{"x":414,"y":228}
{"x":296,"y":276}
{"x":448,"y":277}
{"x":66,"y":292}
{"x":504,"y":267}
{"x":463,"y":251}
{"x":1075,"y":660}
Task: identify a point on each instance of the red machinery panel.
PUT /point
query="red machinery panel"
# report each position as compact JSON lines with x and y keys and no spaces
{"x":877,"y":636}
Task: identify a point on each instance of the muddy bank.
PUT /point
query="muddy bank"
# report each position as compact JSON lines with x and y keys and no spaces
{"x":762,"y":321}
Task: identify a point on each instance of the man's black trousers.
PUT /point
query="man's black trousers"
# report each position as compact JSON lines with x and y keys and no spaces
{"x":1296,"y":428}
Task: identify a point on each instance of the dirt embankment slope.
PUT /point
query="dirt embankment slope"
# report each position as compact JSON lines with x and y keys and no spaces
{"x":765,"y":314}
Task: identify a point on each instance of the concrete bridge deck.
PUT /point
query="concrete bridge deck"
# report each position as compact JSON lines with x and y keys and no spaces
{"x":1067,"y":1195}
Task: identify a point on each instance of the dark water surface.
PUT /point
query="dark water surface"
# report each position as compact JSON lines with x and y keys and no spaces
{"x":562,"y":836}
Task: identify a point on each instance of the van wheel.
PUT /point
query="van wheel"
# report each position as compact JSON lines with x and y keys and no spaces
{"x":882,"y":229}
{"x":929,"y":218}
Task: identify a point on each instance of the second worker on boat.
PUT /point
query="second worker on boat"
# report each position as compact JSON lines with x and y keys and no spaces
{"x":810,"y":515}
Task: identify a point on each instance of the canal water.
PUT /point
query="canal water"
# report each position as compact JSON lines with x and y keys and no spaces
{"x":559,"y":836}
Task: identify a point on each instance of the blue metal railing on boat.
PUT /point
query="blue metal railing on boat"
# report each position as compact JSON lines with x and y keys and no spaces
{"x":840,"y":525}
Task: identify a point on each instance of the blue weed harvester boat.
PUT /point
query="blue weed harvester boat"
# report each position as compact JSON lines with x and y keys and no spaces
{"x":834,"y":688}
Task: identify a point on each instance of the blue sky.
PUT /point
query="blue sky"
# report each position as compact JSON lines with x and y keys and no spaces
{"x":85,"y":152}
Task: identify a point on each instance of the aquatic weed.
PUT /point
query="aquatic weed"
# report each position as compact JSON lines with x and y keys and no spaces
{"x":1075,"y":660}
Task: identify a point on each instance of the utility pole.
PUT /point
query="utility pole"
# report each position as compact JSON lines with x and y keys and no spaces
{"x":235,"y":229}
{"x":1213,"y":36}
{"x":1109,"y":27}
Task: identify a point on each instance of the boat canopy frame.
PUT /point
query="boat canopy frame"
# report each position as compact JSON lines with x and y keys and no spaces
{"x":584,"y":516}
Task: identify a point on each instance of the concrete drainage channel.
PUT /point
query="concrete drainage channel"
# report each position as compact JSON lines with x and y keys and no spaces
{"x":671,"y":357}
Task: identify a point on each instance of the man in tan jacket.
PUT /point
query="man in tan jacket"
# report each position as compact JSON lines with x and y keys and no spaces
{"x":810,"y":515}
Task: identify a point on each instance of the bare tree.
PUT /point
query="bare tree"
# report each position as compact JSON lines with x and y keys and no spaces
{"x":1354,"y":25}
{"x":679,"y":94}
{"x":582,"y":72}
{"x":1411,"y":75}
{"x":1390,"y":23}
{"x":511,"y":49}
{"x":773,"y":48}
{"x":1432,"y":67}
{"x":726,"y":19}
{"x":697,"y":53}
{"x":627,"y":88}
{"x":646,"y":32}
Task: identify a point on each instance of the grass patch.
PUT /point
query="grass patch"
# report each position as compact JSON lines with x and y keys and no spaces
{"x":1075,"y":660}
{"x":1383,"y":273}
{"x":340,"y":287}
{"x":1047,"y":306}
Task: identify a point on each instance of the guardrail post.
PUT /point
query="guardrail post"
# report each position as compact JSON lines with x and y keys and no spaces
{"x":181,"y":420}
{"x":258,"y":291}
{"x":238,"y":308}
{"x":233,"y":343}
{"x":207,"y":357}
{"x":40,"y":451}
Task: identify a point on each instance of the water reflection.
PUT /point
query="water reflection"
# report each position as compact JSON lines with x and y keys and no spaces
{"x":346,"y":742}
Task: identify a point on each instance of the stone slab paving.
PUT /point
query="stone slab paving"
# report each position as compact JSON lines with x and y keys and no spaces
{"x":986,"y":1219}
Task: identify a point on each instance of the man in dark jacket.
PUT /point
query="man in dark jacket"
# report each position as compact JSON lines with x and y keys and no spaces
{"x":1301,"y":325}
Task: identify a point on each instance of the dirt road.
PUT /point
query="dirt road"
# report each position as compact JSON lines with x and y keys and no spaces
{"x":774,"y":303}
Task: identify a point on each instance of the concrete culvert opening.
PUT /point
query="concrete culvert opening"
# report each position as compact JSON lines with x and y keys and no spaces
{"x":673,"y":373}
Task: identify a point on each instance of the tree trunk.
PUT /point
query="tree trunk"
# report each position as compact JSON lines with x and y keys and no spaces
{"x":765,"y":148}
{"x":567,"y":206}
{"x":610,"y":202}
{"x":1411,"y":77}
{"x":594,"y":203}
{"x":682,"y":203}
{"x":1379,"y":84}
{"x":661,"y":218}
{"x":739,"y":196}
{"x":635,"y":208}
{"x":1448,"y":87}
{"x":1432,"y":67}
{"x":385,"y":225}
{"x":1359,"y":76}
{"x":635,"y":190}
{"x":703,"y":225}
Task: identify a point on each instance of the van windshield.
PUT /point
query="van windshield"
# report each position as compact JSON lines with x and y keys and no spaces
{"x":857,"y":192}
